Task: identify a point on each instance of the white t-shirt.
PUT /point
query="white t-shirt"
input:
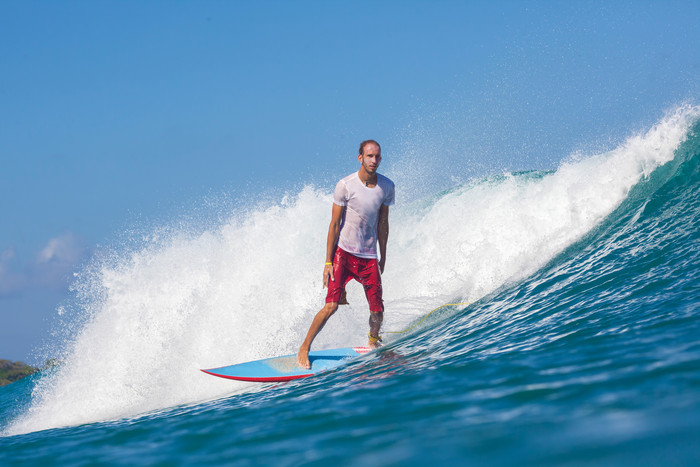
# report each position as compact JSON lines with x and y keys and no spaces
{"x":358,"y":229}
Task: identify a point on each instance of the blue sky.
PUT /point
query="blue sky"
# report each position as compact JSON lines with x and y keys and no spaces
{"x":121,"y":113}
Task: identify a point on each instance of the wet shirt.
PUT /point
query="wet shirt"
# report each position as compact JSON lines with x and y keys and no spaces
{"x":358,"y":231}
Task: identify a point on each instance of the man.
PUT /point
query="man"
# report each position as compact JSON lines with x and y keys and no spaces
{"x":359,"y":220}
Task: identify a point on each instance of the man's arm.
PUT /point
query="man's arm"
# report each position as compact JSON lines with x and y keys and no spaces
{"x":332,"y":241}
{"x":383,"y":234}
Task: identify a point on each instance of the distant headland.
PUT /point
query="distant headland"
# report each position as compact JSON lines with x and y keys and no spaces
{"x":12,"y":371}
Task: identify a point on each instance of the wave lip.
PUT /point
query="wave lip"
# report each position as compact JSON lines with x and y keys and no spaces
{"x":473,"y":239}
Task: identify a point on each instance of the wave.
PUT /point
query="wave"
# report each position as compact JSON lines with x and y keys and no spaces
{"x":145,"y":319}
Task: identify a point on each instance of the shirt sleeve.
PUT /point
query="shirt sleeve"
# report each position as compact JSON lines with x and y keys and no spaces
{"x":340,"y":195}
{"x":389,"y":197}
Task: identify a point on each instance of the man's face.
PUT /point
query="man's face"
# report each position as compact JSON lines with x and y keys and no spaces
{"x":370,"y":158}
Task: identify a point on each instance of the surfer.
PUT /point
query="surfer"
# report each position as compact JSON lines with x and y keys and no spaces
{"x":360,"y":219}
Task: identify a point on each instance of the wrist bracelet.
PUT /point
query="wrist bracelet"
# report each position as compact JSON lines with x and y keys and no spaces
{"x":329,"y":264}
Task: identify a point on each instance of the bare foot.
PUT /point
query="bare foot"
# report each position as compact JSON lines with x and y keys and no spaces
{"x":303,"y":358}
{"x":375,"y":344}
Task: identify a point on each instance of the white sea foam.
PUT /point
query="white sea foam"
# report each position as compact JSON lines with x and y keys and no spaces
{"x":249,"y":288}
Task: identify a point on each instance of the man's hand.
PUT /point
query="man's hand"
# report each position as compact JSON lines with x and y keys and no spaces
{"x":382,"y":262}
{"x":328,"y":272}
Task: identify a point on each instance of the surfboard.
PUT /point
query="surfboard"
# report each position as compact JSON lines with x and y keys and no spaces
{"x":286,"y":368}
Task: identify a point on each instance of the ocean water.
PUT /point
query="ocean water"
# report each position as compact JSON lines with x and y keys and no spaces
{"x":580,"y":343}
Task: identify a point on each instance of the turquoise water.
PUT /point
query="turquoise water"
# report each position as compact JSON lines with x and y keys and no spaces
{"x":581,"y":344}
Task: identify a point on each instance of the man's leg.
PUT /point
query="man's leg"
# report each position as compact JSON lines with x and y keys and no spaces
{"x":375,"y":322}
{"x":316,"y":326}
{"x":372,"y":282}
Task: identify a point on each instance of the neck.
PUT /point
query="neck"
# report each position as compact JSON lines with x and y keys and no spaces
{"x":367,"y":178}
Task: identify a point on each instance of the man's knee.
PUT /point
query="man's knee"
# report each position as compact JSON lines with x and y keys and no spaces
{"x":329,"y":309}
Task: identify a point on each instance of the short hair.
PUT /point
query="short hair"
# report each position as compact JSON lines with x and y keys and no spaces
{"x":365,"y":143}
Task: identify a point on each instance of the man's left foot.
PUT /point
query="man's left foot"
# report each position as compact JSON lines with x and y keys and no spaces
{"x":374,"y":342}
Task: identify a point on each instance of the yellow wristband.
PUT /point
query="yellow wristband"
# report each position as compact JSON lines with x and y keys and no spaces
{"x":329,"y":264}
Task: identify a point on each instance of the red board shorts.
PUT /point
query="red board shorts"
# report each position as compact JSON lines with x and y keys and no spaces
{"x":364,"y":270}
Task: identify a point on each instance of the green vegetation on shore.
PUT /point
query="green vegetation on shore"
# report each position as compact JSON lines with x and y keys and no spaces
{"x":13,"y":371}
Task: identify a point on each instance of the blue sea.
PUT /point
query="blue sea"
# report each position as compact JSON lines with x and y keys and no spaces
{"x":576,"y":340}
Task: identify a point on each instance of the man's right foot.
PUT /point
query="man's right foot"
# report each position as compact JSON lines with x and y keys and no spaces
{"x":303,"y":359}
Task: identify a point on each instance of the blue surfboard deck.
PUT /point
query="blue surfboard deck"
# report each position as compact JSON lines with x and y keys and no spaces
{"x":286,"y":368}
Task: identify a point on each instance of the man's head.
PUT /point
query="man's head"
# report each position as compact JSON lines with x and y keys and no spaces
{"x":370,"y":155}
